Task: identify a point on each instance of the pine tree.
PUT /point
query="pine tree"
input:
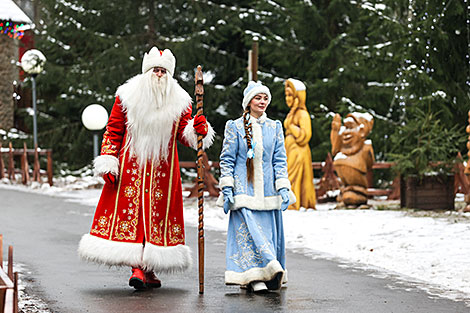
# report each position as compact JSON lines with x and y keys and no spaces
{"x":384,"y":57}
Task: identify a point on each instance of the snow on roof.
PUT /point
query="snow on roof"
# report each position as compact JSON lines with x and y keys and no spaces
{"x":9,"y":11}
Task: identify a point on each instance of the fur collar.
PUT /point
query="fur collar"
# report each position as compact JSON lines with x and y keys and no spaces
{"x":261,"y":120}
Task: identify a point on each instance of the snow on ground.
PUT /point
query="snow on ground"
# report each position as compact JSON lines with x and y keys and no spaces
{"x":428,"y":249}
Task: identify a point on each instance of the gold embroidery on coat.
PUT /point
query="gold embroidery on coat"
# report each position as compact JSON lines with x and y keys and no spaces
{"x":121,"y":171}
{"x":129,"y":191}
{"x":107,"y":146}
{"x":104,"y":226}
{"x":170,"y":181}
{"x":127,"y":229}
{"x":175,"y":233}
{"x":156,"y":233}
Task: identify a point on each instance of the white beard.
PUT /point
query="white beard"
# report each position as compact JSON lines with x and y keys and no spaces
{"x":152,"y":105}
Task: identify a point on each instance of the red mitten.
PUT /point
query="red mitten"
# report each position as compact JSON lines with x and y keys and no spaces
{"x":109,"y":178}
{"x":200,"y":125}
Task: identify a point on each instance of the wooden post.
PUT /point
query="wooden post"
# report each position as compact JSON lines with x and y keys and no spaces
{"x":199,"y":92}
{"x":36,"y":166}
{"x":2,"y":165}
{"x":24,"y":165}
{"x":11,"y":165}
{"x":49,"y":168}
{"x":15,"y":293}
{"x":10,"y":262}
{"x":254,"y":59}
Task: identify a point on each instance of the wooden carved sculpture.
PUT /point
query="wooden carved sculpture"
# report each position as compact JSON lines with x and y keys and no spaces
{"x":353,"y":156}
{"x":298,"y":127}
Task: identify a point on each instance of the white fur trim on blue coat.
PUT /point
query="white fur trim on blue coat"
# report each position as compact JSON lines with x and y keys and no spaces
{"x":255,"y":274}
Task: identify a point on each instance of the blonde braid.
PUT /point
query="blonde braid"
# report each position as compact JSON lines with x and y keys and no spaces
{"x":248,"y":132}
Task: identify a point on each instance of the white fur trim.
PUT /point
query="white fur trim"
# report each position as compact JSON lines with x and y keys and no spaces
{"x":220,"y":200}
{"x":153,"y":59}
{"x":226,"y":181}
{"x":254,"y":274}
{"x":267,"y":204}
{"x":167,"y":259}
{"x":282,"y":183}
{"x":102,"y":251}
{"x":106,"y":164}
{"x":189,"y":133}
{"x":258,"y":173}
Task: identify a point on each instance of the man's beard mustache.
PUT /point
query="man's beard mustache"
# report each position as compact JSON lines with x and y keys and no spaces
{"x":160,"y":89}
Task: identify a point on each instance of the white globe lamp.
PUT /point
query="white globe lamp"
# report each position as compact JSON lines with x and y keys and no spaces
{"x":32,"y":63}
{"x":94,"y":118}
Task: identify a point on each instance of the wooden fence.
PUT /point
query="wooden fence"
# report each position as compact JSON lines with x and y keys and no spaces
{"x":24,"y":169}
{"x":328,"y":181}
{"x":8,"y":283}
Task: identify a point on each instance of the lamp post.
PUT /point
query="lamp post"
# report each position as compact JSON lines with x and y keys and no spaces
{"x":32,"y":63}
{"x":94,"y":118}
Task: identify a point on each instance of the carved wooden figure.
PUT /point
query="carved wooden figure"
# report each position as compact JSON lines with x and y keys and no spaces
{"x":298,"y":128}
{"x":353,"y":156}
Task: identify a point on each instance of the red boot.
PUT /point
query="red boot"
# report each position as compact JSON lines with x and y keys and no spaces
{"x":137,"y":279}
{"x":152,"y":280}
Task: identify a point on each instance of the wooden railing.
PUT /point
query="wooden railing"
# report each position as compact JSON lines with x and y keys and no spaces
{"x":24,"y":170}
{"x":8,"y":283}
{"x":328,"y":181}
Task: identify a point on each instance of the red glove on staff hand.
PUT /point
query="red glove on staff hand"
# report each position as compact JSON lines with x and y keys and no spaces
{"x":109,"y":178}
{"x":200,"y":125}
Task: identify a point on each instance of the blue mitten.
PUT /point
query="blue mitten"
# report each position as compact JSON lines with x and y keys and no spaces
{"x":228,"y":198}
{"x":284,"y":192}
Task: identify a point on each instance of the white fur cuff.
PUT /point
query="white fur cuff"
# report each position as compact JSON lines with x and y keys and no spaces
{"x":282,"y":183}
{"x":102,"y":251}
{"x":171,"y":259}
{"x":106,"y":164}
{"x":191,"y":136}
{"x":226,"y":181}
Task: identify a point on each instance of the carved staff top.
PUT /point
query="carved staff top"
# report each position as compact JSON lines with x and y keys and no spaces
{"x":199,"y":90}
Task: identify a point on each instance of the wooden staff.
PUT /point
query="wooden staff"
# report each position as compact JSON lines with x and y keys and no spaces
{"x":199,"y":92}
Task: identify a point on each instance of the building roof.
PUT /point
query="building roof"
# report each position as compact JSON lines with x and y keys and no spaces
{"x":9,"y":11}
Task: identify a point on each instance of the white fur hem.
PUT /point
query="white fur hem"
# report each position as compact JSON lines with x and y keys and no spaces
{"x":102,"y":251}
{"x":226,"y":181}
{"x":282,"y":183}
{"x":191,"y":136}
{"x":167,"y":259}
{"x":253,"y":203}
{"x":254,"y":274}
{"x":106,"y":164}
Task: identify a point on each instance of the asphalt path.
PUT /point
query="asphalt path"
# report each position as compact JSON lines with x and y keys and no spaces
{"x":45,"y":232}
